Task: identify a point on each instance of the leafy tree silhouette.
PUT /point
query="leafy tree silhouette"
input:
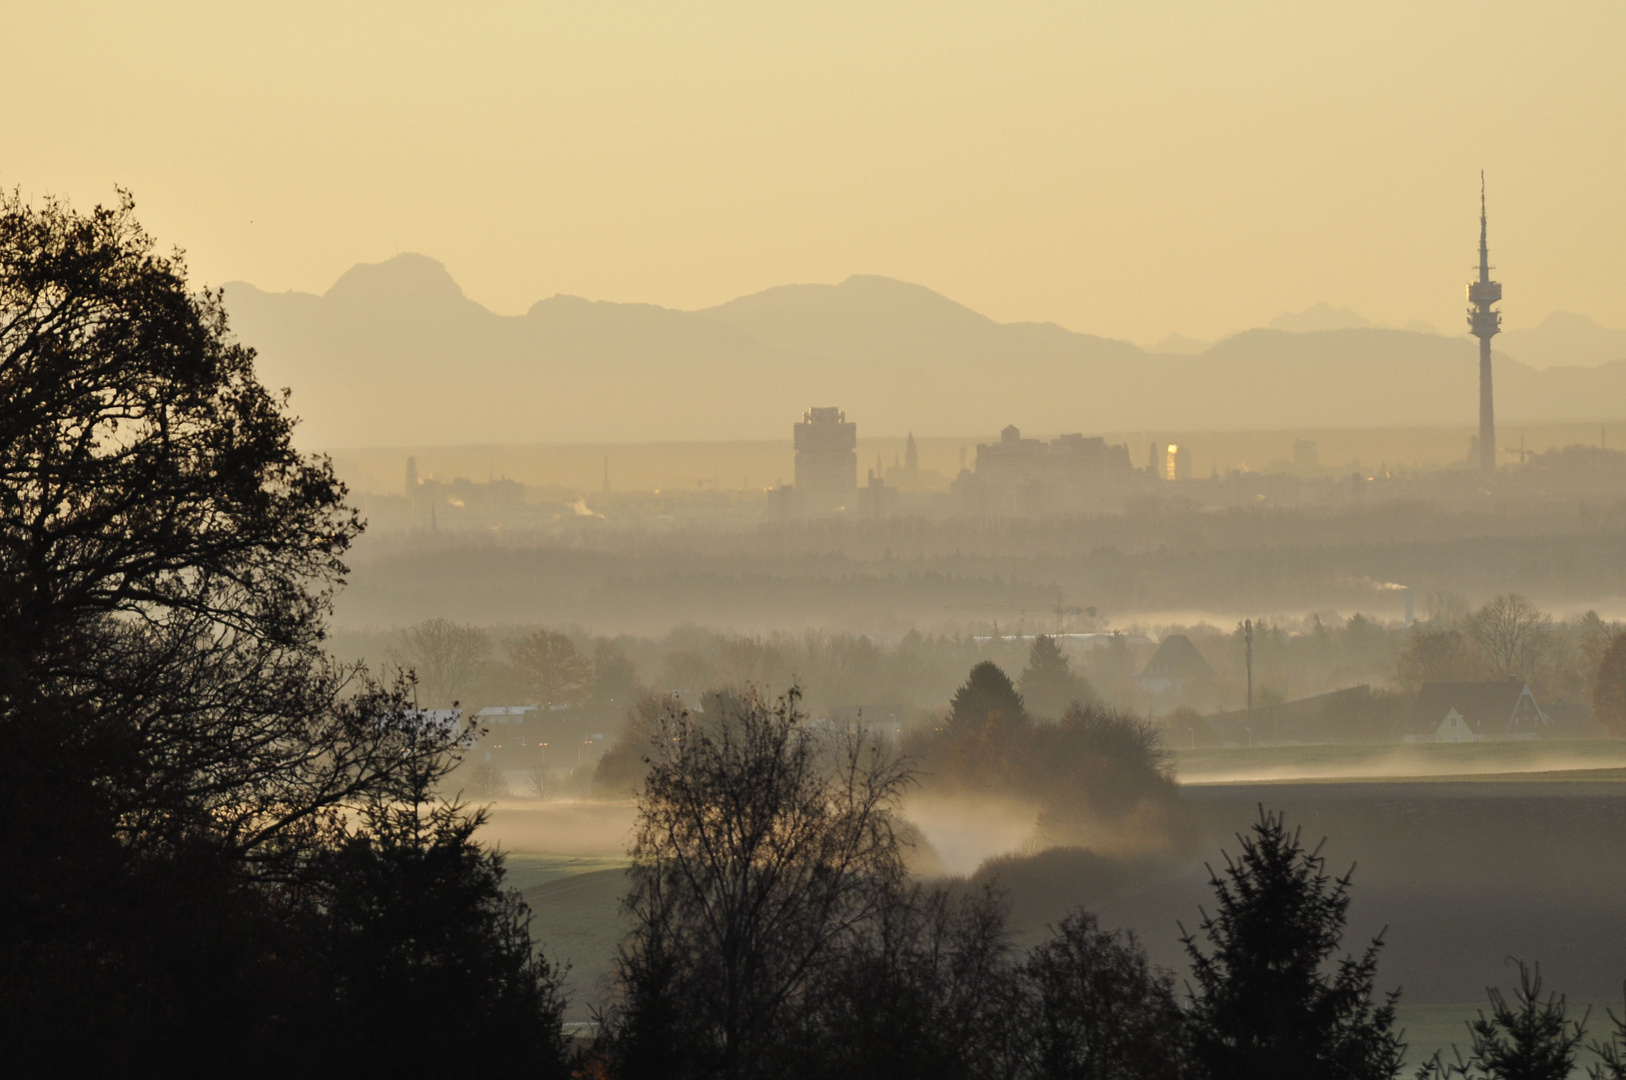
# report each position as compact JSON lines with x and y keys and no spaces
{"x":986,"y":692}
{"x":984,"y":741}
{"x":178,"y":751}
{"x":426,"y":957}
{"x":1268,"y":1002}
{"x":1609,"y":688}
{"x":1099,"y":1010}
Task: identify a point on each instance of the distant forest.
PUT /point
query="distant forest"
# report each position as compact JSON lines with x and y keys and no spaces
{"x":1137,"y":570}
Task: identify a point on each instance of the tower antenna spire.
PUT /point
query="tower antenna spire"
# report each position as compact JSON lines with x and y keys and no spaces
{"x":1485,"y":323}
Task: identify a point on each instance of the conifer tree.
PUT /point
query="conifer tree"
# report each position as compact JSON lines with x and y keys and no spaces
{"x":1049,"y":684}
{"x":1531,"y":1039}
{"x":1270,"y":1000}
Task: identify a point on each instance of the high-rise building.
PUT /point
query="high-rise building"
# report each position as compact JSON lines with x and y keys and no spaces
{"x":1484,"y":324}
{"x":1177,"y":463}
{"x":826,"y":453}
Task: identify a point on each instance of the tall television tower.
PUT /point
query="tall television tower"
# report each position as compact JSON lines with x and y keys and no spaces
{"x":1484,"y":324}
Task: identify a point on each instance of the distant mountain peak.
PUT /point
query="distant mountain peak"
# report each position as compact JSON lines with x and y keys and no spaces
{"x":1322,"y":316}
{"x":1570,"y":320}
{"x":1180,"y":345}
{"x":404,"y":276}
{"x":1565,"y":339}
{"x":855,"y":293}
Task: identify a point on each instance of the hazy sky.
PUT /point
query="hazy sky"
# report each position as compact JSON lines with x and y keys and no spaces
{"x":1127,"y":169}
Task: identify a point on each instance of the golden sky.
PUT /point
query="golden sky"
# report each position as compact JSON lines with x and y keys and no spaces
{"x":1129,"y":169}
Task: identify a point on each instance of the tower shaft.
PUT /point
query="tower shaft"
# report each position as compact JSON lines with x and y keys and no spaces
{"x":1485,"y":323}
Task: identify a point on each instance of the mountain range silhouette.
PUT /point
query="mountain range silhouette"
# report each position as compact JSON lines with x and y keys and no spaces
{"x":394,"y":354}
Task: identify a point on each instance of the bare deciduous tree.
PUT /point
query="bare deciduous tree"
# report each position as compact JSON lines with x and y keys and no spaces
{"x":1609,"y":690}
{"x":930,"y":991}
{"x":1434,"y":655}
{"x":553,"y":669}
{"x":1511,"y":633}
{"x":761,"y":848}
{"x":445,"y":656}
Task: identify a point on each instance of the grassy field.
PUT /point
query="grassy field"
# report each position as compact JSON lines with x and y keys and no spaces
{"x":576,"y":918}
{"x":567,"y":858}
{"x":1593,"y":759}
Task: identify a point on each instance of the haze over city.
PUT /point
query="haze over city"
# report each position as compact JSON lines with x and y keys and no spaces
{"x":758,"y":541}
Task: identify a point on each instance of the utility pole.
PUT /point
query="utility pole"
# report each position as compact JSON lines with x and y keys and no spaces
{"x":1247,"y":641}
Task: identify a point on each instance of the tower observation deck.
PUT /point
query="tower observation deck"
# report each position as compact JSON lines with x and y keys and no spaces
{"x":1485,"y":324}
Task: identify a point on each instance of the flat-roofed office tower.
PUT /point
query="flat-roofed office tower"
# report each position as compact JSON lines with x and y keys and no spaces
{"x":826,"y":453}
{"x":1484,"y":324}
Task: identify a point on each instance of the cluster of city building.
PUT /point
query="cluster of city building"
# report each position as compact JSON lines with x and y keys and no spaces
{"x":1015,"y":476}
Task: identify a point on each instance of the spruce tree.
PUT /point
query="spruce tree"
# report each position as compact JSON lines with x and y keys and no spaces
{"x":1532,"y":1039}
{"x":1049,"y":684}
{"x":1270,"y":1001}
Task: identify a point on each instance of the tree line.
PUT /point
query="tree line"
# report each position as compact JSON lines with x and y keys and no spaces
{"x":911,"y":681}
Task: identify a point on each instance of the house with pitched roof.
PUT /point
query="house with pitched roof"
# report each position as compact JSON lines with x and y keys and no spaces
{"x":1475,"y":711}
{"x":1177,"y":672}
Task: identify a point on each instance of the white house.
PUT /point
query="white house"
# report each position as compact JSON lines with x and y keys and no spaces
{"x":1475,"y":711}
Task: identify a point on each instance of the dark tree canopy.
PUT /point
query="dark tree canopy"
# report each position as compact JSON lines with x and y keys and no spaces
{"x":179,"y":757}
{"x":929,"y":990}
{"x":1531,"y":1039}
{"x":167,"y":558}
{"x":987,"y":695}
{"x":982,"y":744}
{"x":1270,"y":1001}
{"x":429,"y":958}
{"x":1100,"y":1011}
